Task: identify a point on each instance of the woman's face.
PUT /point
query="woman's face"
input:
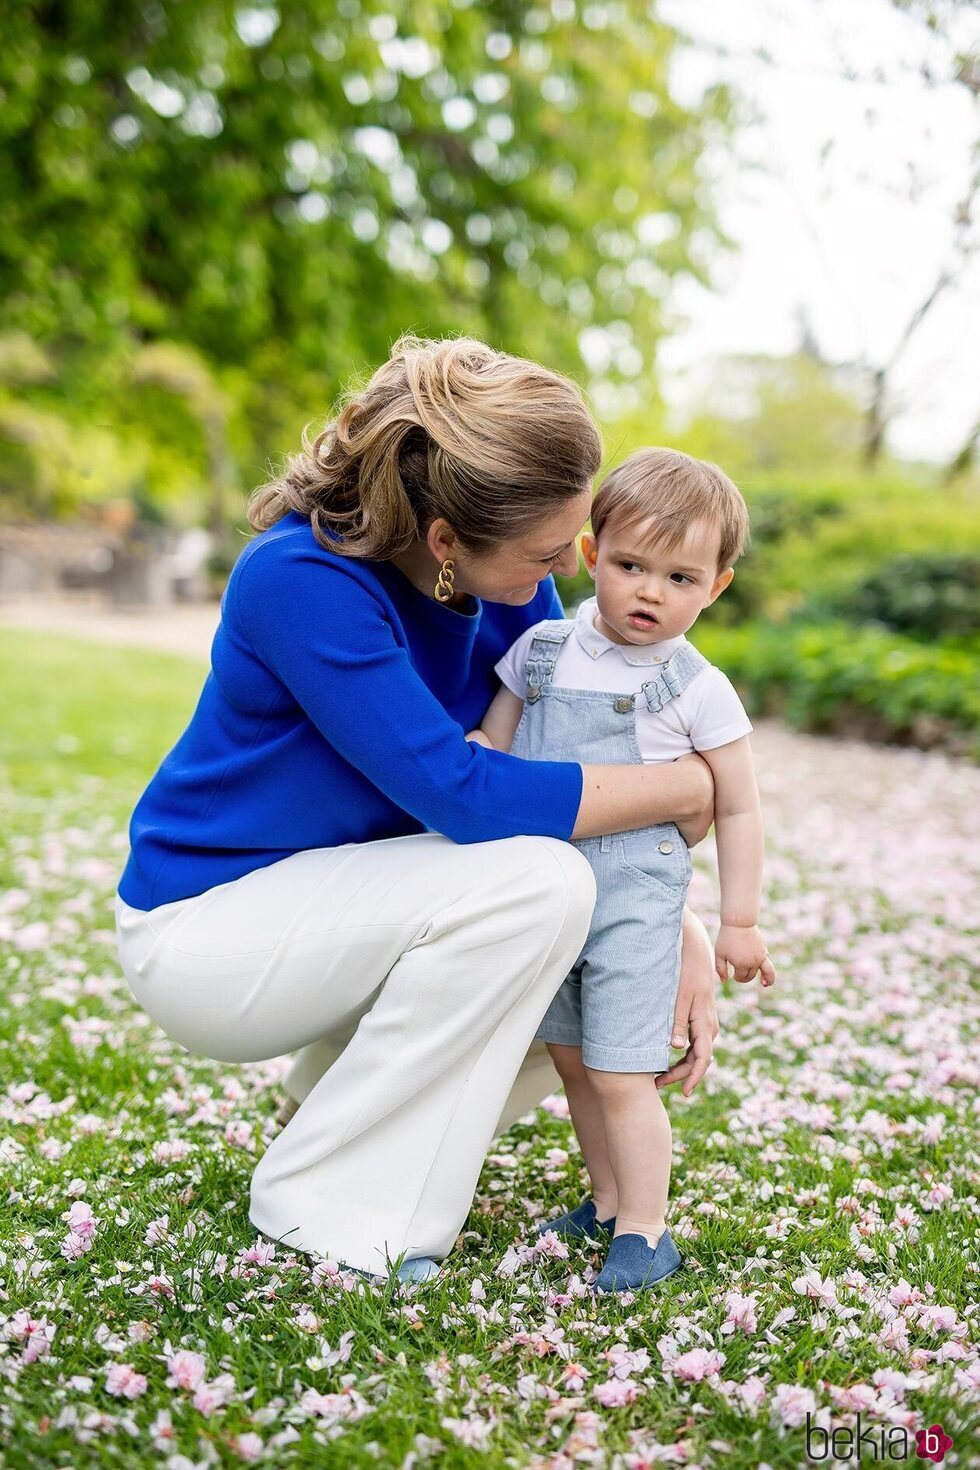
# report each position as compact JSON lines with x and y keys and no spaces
{"x":511,"y":573}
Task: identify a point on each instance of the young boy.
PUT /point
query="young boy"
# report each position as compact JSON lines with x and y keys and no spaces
{"x":621,"y":683}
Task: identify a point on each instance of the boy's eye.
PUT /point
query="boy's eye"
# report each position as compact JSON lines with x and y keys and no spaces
{"x":681,"y":575}
{"x":630,"y":566}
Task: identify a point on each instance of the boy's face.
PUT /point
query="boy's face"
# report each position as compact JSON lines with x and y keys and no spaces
{"x":646,"y":594}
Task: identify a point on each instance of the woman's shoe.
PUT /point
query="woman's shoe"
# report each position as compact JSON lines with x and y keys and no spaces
{"x":632,"y":1264}
{"x":579,"y":1224}
{"x":420,"y":1268}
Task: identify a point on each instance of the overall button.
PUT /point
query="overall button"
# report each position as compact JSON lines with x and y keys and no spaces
{"x":623,"y":706}
{"x":665,"y":847}
{"x":533,"y":695}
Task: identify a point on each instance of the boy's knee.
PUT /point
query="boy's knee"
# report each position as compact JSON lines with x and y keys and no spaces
{"x":620,"y":1087}
{"x":568,"y":1062}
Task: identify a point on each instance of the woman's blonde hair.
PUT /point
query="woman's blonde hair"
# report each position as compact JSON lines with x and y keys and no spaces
{"x":452,"y":429}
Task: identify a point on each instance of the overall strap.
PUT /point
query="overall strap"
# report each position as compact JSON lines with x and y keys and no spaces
{"x":539,"y":665}
{"x":673,"y":678}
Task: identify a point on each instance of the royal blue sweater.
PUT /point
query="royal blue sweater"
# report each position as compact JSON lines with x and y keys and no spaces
{"x":335,"y":711}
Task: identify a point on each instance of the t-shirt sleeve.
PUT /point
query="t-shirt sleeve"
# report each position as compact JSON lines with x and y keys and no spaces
{"x":510,"y":669}
{"x":718,"y":716}
{"x":326,"y":638}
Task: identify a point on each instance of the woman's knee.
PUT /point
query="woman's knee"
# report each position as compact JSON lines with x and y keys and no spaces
{"x":560,"y":875}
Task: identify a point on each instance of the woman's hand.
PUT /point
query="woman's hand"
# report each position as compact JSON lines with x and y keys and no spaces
{"x":695,"y":1013}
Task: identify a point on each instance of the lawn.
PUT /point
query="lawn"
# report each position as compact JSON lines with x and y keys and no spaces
{"x":825,"y":1184}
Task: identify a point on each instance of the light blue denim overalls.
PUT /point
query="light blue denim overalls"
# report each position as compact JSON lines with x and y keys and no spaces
{"x":618,"y":1001}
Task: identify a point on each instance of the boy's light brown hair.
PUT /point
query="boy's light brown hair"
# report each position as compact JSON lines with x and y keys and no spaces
{"x":677,"y":490}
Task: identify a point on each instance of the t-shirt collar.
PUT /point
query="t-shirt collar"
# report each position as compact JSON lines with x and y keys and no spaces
{"x":596,"y":643}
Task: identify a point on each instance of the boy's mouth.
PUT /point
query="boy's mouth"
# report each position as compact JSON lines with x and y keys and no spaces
{"x":642,"y":621}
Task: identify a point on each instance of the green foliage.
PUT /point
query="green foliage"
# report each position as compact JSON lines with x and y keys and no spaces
{"x":285,"y":189}
{"x":815,"y":542}
{"x":836,"y":677}
{"x":927,"y":595}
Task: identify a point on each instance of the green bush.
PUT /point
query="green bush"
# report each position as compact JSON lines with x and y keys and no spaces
{"x":836,"y":677}
{"x":929,"y":596}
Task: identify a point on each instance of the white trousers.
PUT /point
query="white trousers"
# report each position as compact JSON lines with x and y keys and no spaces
{"x":410,"y":975}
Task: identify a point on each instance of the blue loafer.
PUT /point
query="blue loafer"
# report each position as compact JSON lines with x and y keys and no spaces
{"x":579,"y":1223}
{"x":420,"y":1268}
{"x":632,"y":1264}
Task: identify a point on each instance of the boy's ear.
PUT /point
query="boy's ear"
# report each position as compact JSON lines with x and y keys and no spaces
{"x":724,"y":579}
{"x":590,"y":550}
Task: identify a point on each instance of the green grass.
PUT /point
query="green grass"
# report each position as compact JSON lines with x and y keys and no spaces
{"x":796,"y":1154}
{"x":75,"y":710}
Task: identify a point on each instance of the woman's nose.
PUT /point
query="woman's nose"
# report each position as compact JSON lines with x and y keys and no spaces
{"x":567,"y":563}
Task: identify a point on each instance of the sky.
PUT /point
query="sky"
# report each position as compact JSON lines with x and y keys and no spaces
{"x":840,"y":196}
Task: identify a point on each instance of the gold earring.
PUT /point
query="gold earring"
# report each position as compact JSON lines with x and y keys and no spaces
{"x":444,"y":585}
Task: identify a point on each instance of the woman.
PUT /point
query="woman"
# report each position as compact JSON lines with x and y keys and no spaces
{"x":323,"y":864}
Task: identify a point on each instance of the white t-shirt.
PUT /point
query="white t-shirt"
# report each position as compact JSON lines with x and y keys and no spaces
{"x":707,"y":714}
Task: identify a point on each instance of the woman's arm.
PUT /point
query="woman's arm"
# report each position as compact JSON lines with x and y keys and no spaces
{"x":622,"y":798}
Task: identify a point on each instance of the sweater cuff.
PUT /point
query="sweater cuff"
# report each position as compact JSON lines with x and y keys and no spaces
{"x":546,"y":796}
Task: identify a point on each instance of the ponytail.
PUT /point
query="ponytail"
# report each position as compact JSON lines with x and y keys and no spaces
{"x":452,"y":429}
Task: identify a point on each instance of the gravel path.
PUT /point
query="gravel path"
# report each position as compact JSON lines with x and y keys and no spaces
{"x":185,"y":629}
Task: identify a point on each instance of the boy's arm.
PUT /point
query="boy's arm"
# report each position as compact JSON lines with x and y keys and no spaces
{"x":739,"y":838}
{"x":499,"y":724}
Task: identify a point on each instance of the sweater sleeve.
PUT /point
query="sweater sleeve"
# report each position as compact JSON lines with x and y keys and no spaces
{"x":325,"y":636}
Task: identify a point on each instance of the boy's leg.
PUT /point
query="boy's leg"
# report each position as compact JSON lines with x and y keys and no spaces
{"x":638,"y":1137}
{"x":583,"y":1104}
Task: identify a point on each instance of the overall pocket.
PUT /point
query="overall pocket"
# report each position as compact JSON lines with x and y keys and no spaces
{"x":658,"y":858}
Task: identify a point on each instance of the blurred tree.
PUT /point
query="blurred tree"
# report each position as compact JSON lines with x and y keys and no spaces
{"x":779,"y":413}
{"x":183,"y":372}
{"x":760,"y":414}
{"x":954,"y":22}
{"x":285,"y":187}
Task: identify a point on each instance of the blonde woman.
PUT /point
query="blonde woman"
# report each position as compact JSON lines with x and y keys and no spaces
{"x":324,"y":865}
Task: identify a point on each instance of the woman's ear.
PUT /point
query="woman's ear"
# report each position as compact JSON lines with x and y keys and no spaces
{"x":440,"y":538}
{"x":590,"y":550}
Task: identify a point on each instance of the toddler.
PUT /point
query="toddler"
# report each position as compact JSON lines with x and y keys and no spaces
{"x":621,"y":682}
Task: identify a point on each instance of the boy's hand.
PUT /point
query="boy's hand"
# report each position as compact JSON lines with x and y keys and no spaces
{"x":745,"y":950}
{"x":478,"y":738}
